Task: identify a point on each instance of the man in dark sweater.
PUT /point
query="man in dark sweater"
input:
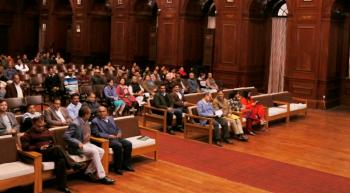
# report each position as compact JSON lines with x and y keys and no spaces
{"x":104,"y":126}
{"x":163,"y":100}
{"x":40,"y":139}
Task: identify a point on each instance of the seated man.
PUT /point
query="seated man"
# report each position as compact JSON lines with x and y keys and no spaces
{"x":163,"y":101}
{"x":74,"y":106}
{"x":193,"y":86}
{"x":92,"y":104}
{"x":15,"y":89}
{"x":77,"y":136}
{"x":206,"y":109}
{"x":8,"y":122}
{"x":178,"y":98}
{"x":40,"y":139}
{"x":56,"y":115}
{"x":104,"y":126}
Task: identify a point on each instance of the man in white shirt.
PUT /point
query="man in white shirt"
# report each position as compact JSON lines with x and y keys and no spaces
{"x":74,"y":107}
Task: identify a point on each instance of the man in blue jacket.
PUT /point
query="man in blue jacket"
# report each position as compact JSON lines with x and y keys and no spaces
{"x":206,"y":109}
{"x":104,"y":126}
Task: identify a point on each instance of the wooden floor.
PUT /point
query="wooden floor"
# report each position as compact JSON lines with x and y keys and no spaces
{"x":321,"y":141}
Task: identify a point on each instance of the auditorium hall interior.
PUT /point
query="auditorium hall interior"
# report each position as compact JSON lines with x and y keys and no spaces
{"x":174,"y":96}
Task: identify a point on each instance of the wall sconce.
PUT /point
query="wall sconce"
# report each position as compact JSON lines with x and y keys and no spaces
{"x":78,"y":2}
{"x":44,"y":2}
{"x":43,"y":27}
{"x":78,"y":28}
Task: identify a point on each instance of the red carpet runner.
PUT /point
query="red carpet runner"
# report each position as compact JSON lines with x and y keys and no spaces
{"x":254,"y":171}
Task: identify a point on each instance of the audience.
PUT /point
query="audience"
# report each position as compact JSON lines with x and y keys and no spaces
{"x":137,"y":91}
{"x":126,"y":96}
{"x":77,"y":136}
{"x":105,"y":127}
{"x":206,"y":109}
{"x":21,"y":67}
{"x":41,"y":140}
{"x":163,"y":100}
{"x":110,"y":92}
{"x":71,"y":82}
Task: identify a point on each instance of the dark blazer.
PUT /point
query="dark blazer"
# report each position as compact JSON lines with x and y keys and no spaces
{"x":178,"y":103}
{"x":13,"y":121}
{"x":100,"y":128}
{"x":162,"y":102}
{"x":52,"y":119}
{"x":52,"y":81}
{"x":11,"y":91}
{"x":73,"y":136}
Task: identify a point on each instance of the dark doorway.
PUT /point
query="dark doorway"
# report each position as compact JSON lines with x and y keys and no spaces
{"x":4,"y":36}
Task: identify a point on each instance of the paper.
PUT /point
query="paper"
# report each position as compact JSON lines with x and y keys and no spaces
{"x":218,"y":113}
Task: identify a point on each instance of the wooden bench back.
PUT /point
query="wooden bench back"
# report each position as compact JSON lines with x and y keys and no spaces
{"x":8,"y":149}
{"x":264,"y":99}
{"x":193,"y":97}
{"x":129,"y":126}
{"x":282,"y":96}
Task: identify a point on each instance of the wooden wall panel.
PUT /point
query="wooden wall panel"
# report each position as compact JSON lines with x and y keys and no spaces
{"x":193,"y":41}
{"x":306,"y":48}
{"x":100,"y":35}
{"x":166,"y":41}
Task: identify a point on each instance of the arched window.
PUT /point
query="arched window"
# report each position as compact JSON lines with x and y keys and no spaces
{"x":283,"y":11}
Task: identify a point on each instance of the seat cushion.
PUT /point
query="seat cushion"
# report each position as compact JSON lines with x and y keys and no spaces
{"x":137,"y":143}
{"x":295,"y":106}
{"x":48,"y":166}
{"x":272,"y":111}
{"x":79,"y":159}
{"x":15,"y":169}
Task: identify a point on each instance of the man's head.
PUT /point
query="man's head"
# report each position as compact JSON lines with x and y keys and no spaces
{"x":3,"y":106}
{"x":102,"y":112}
{"x":176,"y":88}
{"x":74,"y":98}
{"x":70,"y":72}
{"x":84,"y":113}
{"x":191,"y":75}
{"x":207,"y":97}
{"x":220,"y":95}
{"x":31,"y":109}
{"x":51,"y":71}
{"x":38,"y":124}
{"x":134,"y":79}
{"x":16,"y":79}
{"x":92,"y":97}
{"x":56,"y":104}
{"x":162,"y":88}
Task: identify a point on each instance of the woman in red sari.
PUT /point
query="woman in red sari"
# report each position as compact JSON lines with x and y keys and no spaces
{"x":253,"y":111}
{"x":124,"y":94}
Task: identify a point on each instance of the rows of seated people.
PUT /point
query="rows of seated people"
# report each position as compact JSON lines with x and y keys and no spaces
{"x":77,"y":136}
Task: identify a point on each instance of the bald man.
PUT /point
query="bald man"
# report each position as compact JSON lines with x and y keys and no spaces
{"x":105,"y":127}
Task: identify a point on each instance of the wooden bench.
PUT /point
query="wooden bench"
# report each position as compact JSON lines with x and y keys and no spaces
{"x":297,"y":105}
{"x":15,"y":172}
{"x":194,"y":129}
{"x":273,"y":112}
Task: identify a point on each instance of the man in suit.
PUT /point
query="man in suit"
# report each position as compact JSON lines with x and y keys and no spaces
{"x":56,"y":115}
{"x":178,"y":98}
{"x":53,"y":84}
{"x":8,"y":122}
{"x":162,"y":100}
{"x":77,"y":136}
{"x":206,"y":109}
{"x":15,"y":89}
{"x":104,"y":126}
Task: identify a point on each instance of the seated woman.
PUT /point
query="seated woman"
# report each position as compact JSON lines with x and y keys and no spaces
{"x":123,"y":92}
{"x":253,"y":111}
{"x":27,"y":118}
{"x":220,"y":103}
{"x":111,"y":95}
{"x":203,"y":84}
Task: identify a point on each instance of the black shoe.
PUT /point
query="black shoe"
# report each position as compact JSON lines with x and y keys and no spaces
{"x":129,"y":169}
{"x":180,"y":128}
{"x":242,"y":137}
{"x":228,"y":141}
{"x":171,"y":132}
{"x":65,"y":189}
{"x":217,"y":143}
{"x":119,"y":172}
{"x":106,"y":180}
